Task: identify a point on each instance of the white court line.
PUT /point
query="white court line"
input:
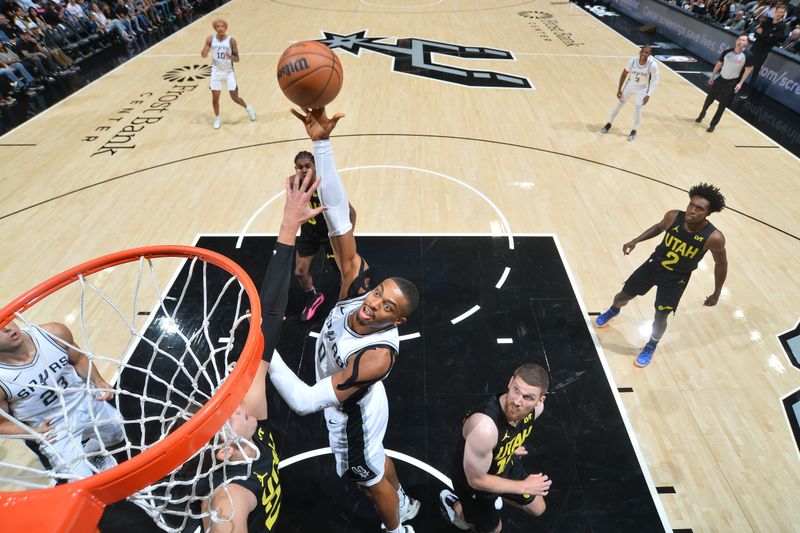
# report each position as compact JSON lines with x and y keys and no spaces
{"x":588,"y":56}
{"x":501,"y":216}
{"x":462,"y":316}
{"x":197,"y":56}
{"x":623,"y":413}
{"x":503,"y":278}
{"x":504,"y":340}
{"x":435,"y":2}
{"x":391,"y":453}
{"x":313,"y":334}
{"x":410,"y":336}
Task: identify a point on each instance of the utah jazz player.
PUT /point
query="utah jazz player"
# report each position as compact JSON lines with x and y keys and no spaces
{"x":487,"y":462}
{"x":687,"y":237}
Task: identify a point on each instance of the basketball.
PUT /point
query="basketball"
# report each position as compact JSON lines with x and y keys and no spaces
{"x":310,"y":74}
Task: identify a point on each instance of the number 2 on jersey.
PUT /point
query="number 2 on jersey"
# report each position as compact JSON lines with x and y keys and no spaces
{"x":672,"y":258}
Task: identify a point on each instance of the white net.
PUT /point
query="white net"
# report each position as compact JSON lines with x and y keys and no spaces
{"x":161,"y":346}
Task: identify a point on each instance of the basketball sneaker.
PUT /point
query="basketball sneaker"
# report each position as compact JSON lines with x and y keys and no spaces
{"x":217,"y":123}
{"x":603,"y":319}
{"x":408,"y":509}
{"x":632,"y":135}
{"x":700,"y":117}
{"x":447,"y":500}
{"x":606,"y":128}
{"x":251,"y":112}
{"x":646,"y":355}
{"x":313,"y":300}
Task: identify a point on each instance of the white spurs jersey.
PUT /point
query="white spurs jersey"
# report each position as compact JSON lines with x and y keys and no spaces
{"x":221,"y":53}
{"x":337,"y":341}
{"x":642,"y":76}
{"x":30,"y":389}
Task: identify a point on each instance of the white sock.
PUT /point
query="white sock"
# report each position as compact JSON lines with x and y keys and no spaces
{"x":398,"y":530}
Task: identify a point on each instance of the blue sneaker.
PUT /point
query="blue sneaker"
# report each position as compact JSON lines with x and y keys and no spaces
{"x":603,"y":319}
{"x":646,"y":355}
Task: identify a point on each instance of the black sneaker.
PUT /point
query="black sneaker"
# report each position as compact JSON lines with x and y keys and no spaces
{"x":699,"y":119}
{"x":711,"y":128}
{"x":632,"y":135}
{"x":313,"y":300}
{"x":606,"y":128}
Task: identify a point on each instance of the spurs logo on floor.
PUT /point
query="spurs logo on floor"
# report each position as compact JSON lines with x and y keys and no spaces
{"x":188,"y":73}
{"x":413,"y":56}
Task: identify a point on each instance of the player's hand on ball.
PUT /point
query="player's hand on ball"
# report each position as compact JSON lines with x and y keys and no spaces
{"x":318,"y":125}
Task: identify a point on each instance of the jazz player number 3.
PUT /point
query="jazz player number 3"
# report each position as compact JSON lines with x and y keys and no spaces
{"x":688,"y":235}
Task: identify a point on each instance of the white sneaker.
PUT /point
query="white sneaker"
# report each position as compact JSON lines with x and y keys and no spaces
{"x":251,"y":112}
{"x":447,"y":501}
{"x":217,"y":123}
{"x":409,"y":509}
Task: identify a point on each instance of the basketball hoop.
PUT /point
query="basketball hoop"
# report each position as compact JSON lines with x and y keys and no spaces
{"x":78,"y":505}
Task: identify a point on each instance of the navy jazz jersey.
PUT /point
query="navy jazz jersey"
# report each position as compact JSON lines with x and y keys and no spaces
{"x":509,"y":438}
{"x":681,"y":250}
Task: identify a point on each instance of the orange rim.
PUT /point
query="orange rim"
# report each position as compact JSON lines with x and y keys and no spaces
{"x":78,"y":506}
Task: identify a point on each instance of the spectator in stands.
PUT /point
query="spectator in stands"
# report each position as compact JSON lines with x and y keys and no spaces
{"x":8,"y":31}
{"x":62,"y":60}
{"x":111,"y":25}
{"x":738,"y":22}
{"x":34,"y":54}
{"x":74,"y":10}
{"x":791,"y":42}
{"x":52,"y":14}
{"x":10,"y":58}
{"x":769,"y":33}
{"x":23,"y":81}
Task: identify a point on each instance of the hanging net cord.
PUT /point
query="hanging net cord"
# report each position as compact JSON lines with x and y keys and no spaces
{"x":170,"y":366}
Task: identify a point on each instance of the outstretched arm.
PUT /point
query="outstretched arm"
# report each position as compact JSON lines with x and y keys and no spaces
{"x":333,"y":195}
{"x":652,"y":231}
{"x":361,"y":371}
{"x":275,"y":287}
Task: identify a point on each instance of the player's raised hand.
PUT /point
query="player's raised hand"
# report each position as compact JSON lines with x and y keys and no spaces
{"x":536,"y":485}
{"x":318,"y":125}
{"x":299,"y":189}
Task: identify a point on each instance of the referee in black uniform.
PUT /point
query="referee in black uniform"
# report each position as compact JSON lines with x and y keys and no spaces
{"x":733,"y":67}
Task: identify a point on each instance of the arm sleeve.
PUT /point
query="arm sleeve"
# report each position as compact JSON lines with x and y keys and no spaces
{"x":654,"y":78}
{"x":302,"y":398}
{"x":331,"y":190}
{"x":274,"y":295}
